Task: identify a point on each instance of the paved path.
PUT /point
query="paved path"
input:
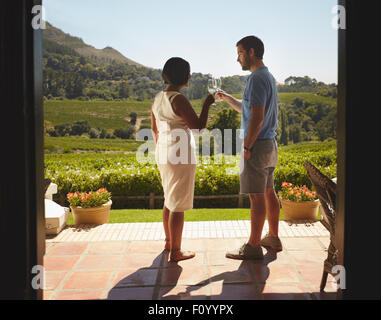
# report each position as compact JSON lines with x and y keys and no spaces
{"x":192,"y":230}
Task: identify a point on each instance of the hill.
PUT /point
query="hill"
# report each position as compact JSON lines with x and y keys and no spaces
{"x":76,"y":70}
{"x":104,"y":56}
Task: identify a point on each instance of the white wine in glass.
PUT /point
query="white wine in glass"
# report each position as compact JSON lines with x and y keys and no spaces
{"x":212,"y":87}
{"x":218,"y":83}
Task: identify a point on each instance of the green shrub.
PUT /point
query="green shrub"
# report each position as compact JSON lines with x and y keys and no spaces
{"x":122,"y":175}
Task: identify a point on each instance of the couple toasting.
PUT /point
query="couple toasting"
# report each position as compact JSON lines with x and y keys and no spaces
{"x":172,"y":112}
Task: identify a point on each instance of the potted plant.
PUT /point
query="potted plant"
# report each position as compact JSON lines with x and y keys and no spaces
{"x":298,"y":203}
{"x":91,"y":207}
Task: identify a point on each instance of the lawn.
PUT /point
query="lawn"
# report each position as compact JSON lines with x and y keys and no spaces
{"x":155,"y":215}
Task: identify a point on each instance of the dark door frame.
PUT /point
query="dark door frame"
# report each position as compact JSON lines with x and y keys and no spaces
{"x":341,"y":146}
{"x":22,"y":221}
{"x":358,"y":219}
{"x":22,"y":218}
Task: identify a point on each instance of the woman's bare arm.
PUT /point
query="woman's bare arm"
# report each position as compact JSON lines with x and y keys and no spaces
{"x":183,"y":108}
{"x":153,"y":126}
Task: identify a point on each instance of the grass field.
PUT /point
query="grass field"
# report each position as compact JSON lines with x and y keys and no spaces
{"x":114,"y":114}
{"x":85,"y":144}
{"x":155,"y":215}
{"x":77,"y":143}
{"x":288,"y":97}
{"x":103,"y":114}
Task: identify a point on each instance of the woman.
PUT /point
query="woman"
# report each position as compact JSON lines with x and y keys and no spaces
{"x":172,"y":119}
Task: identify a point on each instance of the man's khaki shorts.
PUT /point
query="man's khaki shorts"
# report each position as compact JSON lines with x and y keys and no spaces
{"x":258,"y":172}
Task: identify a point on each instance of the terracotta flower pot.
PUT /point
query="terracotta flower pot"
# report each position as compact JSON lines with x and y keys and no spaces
{"x":303,"y":210}
{"x":95,"y":215}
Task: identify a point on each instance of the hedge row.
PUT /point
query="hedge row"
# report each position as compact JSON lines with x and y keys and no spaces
{"x":122,"y":175}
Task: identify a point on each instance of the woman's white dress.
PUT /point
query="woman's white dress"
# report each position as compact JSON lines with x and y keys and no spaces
{"x":175,"y":154}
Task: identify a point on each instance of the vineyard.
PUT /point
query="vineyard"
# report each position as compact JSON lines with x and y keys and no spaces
{"x":112,"y":114}
{"x":85,"y":144}
{"x":124,"y":176}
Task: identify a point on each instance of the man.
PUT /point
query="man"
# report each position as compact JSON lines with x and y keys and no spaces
{"x":259,"y":109}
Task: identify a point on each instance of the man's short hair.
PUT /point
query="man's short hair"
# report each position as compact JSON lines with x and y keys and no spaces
{"x":176,"y":71}
{"x":253,"y":42}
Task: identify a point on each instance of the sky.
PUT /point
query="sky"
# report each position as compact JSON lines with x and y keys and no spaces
{"x":298,"y":35}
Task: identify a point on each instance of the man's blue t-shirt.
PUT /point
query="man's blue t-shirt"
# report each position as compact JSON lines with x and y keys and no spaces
{"x":260,"y":91}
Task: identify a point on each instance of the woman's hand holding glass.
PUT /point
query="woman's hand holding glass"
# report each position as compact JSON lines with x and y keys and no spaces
{"x":210,"y":99}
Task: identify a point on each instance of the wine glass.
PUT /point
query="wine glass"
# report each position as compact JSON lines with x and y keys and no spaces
{"x":218,"y":82}
{"x":212,"y":87}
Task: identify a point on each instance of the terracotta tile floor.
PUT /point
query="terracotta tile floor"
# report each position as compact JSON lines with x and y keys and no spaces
{"x":131,"y":270}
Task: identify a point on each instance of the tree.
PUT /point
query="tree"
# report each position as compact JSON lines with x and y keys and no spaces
{"x":102,"y":133}
{"x":298,"y":103}
{"x":63,"y":129}
{"x":126,"y":133}
{"x":227,"y":118}
{"x":321,"y":131}
{"x":94,"y":133}
{"x":283,"y":122}
{"x":82,"y":60}
{"x":75,"y":85}
{"x":295,"y":133}
{"x":326,"y":127}
{"x":133,"y":117}
{"x":124,"y":90}
{"x":80,"y":127}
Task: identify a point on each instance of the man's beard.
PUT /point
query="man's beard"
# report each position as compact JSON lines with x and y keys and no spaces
{"x":246,"y":65}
